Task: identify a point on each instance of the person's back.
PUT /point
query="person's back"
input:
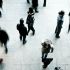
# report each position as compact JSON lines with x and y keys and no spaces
{"x":22,"y":29}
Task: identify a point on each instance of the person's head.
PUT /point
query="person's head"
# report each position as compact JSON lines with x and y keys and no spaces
{"x":31,"y":11}
{"x":61,"y":13}
{"x":21,"y":21}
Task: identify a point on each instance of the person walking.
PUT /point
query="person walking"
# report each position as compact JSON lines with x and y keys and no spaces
{"x":59,"y":24}
{"x":46,"y":47}
{"x":4,"y":39}
{"x":30,"y":23}
{"x":22,"y":31}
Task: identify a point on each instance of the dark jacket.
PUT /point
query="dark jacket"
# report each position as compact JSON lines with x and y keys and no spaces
{"x":22,"y":29}
{"x":3,"y":36}
{"x":30,"y":20}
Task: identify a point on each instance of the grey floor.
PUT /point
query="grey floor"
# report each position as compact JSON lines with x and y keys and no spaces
{"x":28,"y":56}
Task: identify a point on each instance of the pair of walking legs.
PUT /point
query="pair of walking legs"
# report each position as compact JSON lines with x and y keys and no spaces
{"x":24,"y":38}
{"x":31,"y":28}
{"x":57,"y":32}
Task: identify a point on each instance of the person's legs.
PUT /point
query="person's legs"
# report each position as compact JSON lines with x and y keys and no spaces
{"x":24,"y":39}
{"x":1,"y":60}
{"x":44,"y":4}
{"x":29,"y":28}
{"x":33,"y":30}
{"x":36,"y":9}
{"x":58,"y":32}
{"x":6,"y":49}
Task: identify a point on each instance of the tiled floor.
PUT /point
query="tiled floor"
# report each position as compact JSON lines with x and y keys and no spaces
{"x":28,"y":56}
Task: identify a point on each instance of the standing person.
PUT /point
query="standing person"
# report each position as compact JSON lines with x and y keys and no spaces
{"x":69,"y":23}
{"x":46,"y":47}
{"x":44,"y":4}
{"x":30,"y":23}
{"x":4,"y":38}
{"x":35,"y":5}
{"x":28,"y":1}
{"x":59,"y":24}
{"x":22,"y":30}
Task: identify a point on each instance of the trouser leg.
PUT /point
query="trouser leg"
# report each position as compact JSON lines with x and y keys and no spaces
{"x":28,"y":28}
{"x":6,"y":49}
{"x":69,"y":28}
{"x":24,"y":39}
{"x":58,"y":32}
{"x":36,"y":9}
{"x":44,"y":4}
{"x":33,"y":30}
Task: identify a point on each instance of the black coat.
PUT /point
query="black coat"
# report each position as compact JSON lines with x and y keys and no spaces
{"x":3,"y":36}
{"x":30,"y":20}
{"x":34,"y":3}
{"x":22,"y":29}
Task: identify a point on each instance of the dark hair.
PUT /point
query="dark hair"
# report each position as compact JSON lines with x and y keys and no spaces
{"x":21,"y":21}
{"x":61,"y":12}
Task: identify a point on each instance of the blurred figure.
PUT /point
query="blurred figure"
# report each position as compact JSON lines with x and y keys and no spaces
{"x":69,"y":23}
{"x":22,"y":30}
{"x":35,"y":5}
{"x":46,"y":47}
{"x":30,"y":23}
{"x":59,"y":23}
{"x":4,"y":38}
{"x":44,"y":4}
{"x":1,"y":3}
{"x":28,"y":1}
{"x":0,"y":14}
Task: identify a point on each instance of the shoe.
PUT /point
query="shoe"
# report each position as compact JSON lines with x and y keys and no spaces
{"x":24,"y":42}
{"x":57,"y":36}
